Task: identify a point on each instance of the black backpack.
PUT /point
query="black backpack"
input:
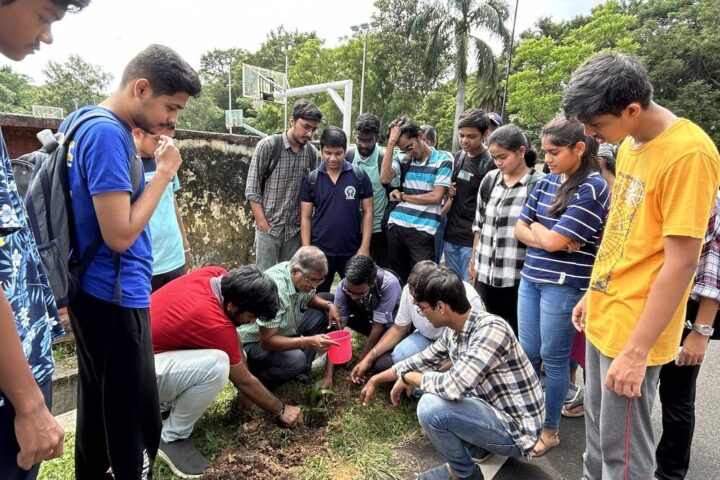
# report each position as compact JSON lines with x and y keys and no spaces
{"x":277,"y":145}
{"x":49,"y":209}
{"x":357,"y":171}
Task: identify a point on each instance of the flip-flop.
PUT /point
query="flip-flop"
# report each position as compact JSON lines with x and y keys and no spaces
{"x":548,"y":443}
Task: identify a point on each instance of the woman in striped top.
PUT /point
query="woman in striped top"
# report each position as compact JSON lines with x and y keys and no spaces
{"x":497,"y":256}
{"x":561,"y":225}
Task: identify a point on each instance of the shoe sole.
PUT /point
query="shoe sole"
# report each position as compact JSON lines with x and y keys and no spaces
{"x":174,"y":469}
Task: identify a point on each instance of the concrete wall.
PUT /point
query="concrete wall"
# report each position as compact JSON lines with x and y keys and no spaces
{"x":212,"y":195}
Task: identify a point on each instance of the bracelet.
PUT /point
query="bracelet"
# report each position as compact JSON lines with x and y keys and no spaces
{"x":402,"y":377}
{"x":282,"y":410}
{"x":302,"y":342}
{"x":187,"y":250}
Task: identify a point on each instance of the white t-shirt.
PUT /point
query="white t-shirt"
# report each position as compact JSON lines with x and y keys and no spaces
{"x":407,"y":313}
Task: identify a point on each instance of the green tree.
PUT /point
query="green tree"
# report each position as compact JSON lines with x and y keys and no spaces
{"x":73,"y":84}
{"x":677,"y":42}
{"x":202,"y":114}
{"x":16,"y":92}
{"x":451,"y":25}
{"x":543,"y":64}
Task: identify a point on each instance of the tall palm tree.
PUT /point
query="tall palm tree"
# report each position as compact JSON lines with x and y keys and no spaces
{"x":451,"y":25}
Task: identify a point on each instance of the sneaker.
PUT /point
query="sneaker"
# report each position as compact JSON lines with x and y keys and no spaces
{"x":183,"y":458}
{"x":572,"y":393}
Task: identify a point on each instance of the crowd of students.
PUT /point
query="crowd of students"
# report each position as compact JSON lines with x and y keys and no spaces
{"x":488,"y":343}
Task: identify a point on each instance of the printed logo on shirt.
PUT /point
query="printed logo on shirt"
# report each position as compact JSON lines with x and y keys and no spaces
{"x":628,"y":194}
{"x":350,"y":193}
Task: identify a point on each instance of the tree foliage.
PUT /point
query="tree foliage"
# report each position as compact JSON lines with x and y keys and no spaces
{"x":73,"y":84}
{"x":16,"y":92}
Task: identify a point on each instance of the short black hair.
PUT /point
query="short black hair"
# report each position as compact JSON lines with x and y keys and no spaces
{"x":333,"y":137}
{"x":166,"y":71}
{"x":368,"y":123}
{"x":251,"y":290}
{"x":306,"y":110}
{"x":421,"y":268}
{"x":442,"y":285}
{"x":511,"y":137}
{"x":606,"y":84}
{"x":72,"y":6}
{"x":474,"y":118}
{"x":430,"y":132}
{"x":360,"y":270}
{"x":406,"y":125}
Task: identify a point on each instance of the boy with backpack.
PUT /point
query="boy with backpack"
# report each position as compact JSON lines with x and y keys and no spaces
{"x":276,"y":172}
{"x":29,"y":433}
{"x":336,"y":207}
{"x":118,"y":420}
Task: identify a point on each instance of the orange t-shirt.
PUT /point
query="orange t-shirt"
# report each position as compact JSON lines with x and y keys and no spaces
{"x":664,"y":188}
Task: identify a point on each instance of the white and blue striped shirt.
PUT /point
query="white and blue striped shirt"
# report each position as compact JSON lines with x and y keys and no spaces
{"x":582,"y":221}
{"x":419,"y":179}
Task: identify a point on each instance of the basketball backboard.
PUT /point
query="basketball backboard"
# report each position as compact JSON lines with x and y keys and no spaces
{"x":233,"y":118}
{"x":260,"y":83}
{"x":47,"y":112}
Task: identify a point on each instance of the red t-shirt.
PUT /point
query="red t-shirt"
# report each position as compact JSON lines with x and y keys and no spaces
{"x":185,"y":314}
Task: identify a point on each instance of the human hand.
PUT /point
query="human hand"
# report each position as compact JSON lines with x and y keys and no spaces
{"x":395,"y":196}
{"x":167,"y":157}
{"x":626,"y":374}
{"x":334,"y":319}
{"x":452,"y":191}
{"x":367,"y":393}
{"x":573,"y":246}
{"x":292,"y":416}
{"x":262,"y":225}
{"x":578,"y":314}
{"x":693,"y":350}
{"x":394,"y":136}
{"x":357,"y":375}
{"x":363,"y":251}
{"x":471,"y":269}
{"x":39,"y":436}
{"x":188,"y":261}
{"x":320,"y":343}
{"x":398,"y":389}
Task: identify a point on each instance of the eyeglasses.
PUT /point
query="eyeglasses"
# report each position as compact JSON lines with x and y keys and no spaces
{"x":314,"y":281}
{"x":421,"y":309}
{"x":366,"y":141}
{"x":410,"y":147}
{"x":352,"y":294}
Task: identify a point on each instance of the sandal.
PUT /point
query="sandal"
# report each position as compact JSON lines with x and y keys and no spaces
{"x":546,"y":443}
{"x":576,"y":408}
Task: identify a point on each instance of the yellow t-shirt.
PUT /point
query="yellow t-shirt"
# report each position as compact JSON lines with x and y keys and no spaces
{"x":666,"y":187}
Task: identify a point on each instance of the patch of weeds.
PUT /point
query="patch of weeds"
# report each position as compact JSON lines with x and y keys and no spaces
{"x":63,"y":351}
{"x":62,"y":468}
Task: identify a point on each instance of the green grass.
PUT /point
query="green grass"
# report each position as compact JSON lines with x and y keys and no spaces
{"x":61,"y":352}
{"x":360,"y":439}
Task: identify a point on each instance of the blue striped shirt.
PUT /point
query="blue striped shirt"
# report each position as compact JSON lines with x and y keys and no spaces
{"x":582,"y":221}
{"x":423,"y":178}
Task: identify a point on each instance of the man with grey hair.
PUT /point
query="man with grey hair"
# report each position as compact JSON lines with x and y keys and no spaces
{"x":282,"y":349}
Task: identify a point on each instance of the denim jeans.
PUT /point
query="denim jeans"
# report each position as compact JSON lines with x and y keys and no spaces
{"x":409,"y":346}
{"x":546,"y":336}
{"x":464,"y":429}
{"x":439,"y":234}
{"x":457,"y":258}
{"x":188,"y":381}
{"x":270,"y":250}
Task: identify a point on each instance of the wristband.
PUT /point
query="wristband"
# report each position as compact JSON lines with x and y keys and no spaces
{"x":187,"y":250}
{"x":402,"y":377}
{"x":282,"y":410}
{"x":302,"y":342}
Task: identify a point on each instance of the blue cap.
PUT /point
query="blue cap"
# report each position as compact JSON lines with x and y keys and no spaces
{"x":496,"y":119}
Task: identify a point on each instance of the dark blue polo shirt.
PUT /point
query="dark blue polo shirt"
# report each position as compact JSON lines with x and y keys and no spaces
{"x":337,"y":216}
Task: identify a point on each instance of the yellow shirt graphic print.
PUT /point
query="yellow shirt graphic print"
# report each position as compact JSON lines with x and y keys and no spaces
{"x":628,"y":193}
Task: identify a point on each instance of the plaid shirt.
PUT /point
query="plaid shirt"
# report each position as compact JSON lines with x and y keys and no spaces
{"x":488,"y":364}
{"x":499,"y":256}
{"x":281,"y":198}
{"x":707,"y":276}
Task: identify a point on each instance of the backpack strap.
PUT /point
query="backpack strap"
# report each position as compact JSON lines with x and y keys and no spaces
{"x":357,"y":171}
{"x":534,"y":179}
{"x":312,"y":180}
{"x":460,"y":157}
{"x":487,"y":186}
{"x":277,"y":144}
{"x":350,"y":155}
{"x":379,"y":279}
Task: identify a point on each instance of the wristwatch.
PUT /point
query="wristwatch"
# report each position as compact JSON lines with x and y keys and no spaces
{"x":704,"y":330}
{"x":402,"y":377}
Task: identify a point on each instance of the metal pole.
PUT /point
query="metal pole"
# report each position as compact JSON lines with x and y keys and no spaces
{"x":285,"y":125}
{"x":507,"y":74}
{"x":362,"y":76}
{"x":230,"y":92}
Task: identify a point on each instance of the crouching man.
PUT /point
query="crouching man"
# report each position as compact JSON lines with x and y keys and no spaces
{"x":196,"y":349}
{"x":488,"y":401}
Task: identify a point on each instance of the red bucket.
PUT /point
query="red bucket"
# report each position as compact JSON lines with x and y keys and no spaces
{"x":343,"y":352}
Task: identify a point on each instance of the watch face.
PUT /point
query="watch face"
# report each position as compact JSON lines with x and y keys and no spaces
{"x":704,"y":330}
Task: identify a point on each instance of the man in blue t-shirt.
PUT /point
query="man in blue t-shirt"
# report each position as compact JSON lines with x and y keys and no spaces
{"x":29,"y":433}
{"x":118,"y":425}
{"x":336,"y":213}
{"x":170,"y":247}
{"x":413,"y":223}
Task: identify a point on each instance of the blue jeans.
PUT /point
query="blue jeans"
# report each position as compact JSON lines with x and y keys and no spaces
{"x":457,"y":258}
{"x":409,"y":346}
{"x":546,"y":336}
{"x":463,"y":429}
{"x":270,"y":250}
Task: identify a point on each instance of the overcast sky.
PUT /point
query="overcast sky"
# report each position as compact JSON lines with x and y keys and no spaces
{"x":108,"y":33}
